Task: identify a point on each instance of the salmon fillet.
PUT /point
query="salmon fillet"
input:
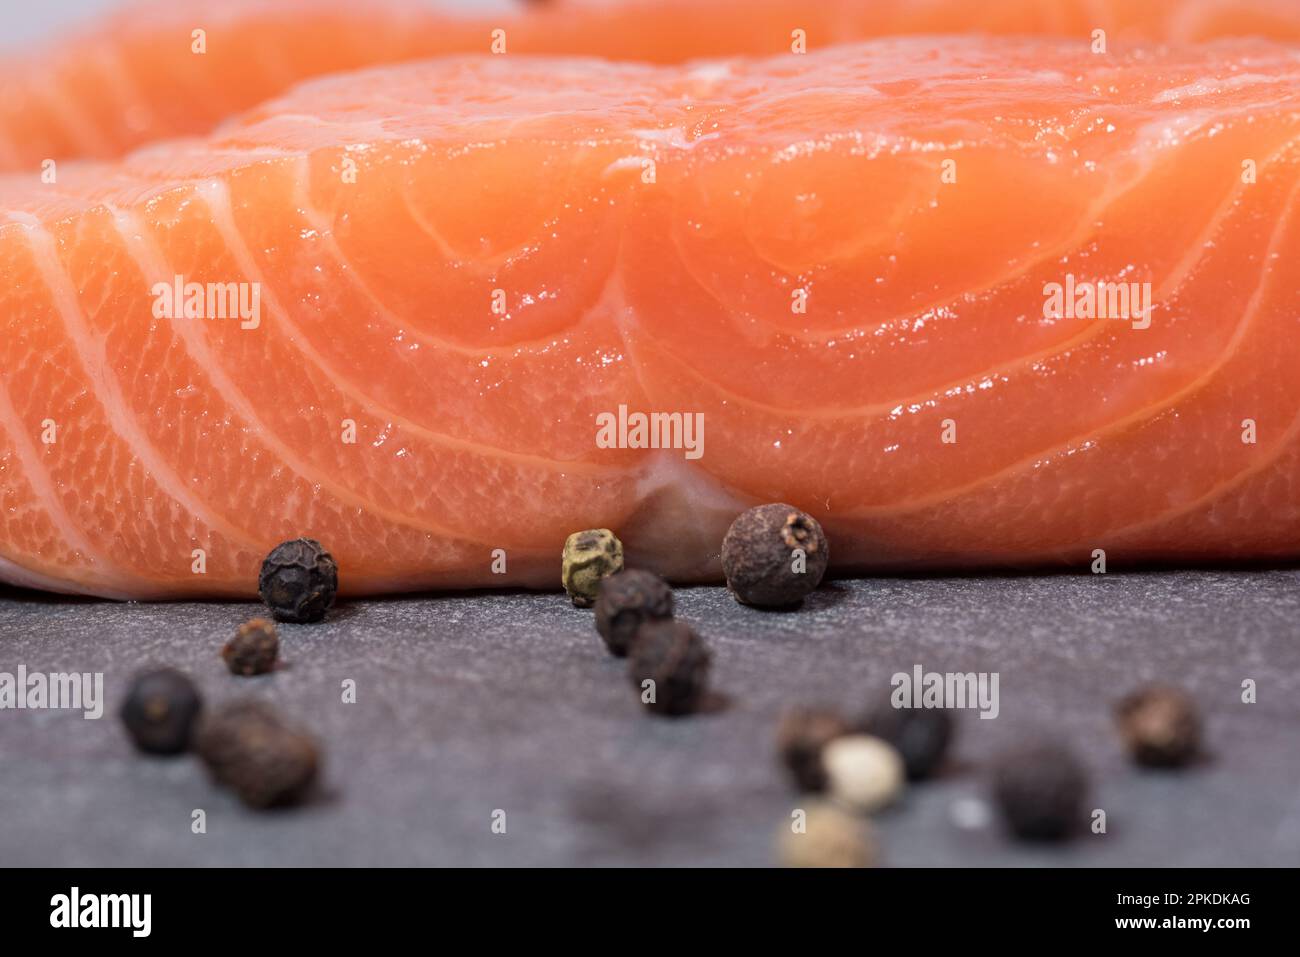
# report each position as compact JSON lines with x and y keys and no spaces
{"x":841,"y":260}
{"x":134,"y":76}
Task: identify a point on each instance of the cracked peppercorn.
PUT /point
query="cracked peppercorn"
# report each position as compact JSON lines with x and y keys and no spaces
{"x":160,"y":710}
{"x":254,"y":649}
{"x":1160,"y":726}
{"x":774,"y":555}
{"x":589,"y":557}
{"x":250,"y":749}
{"x":1040,"y":788}
{"x":801,"y":736}
{"x":669,"y":667}
{"x":625,"y":601}
{"x":298,"y":581}
{"x":921,"y":735}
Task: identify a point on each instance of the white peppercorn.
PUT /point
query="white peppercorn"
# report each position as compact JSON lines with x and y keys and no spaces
{"x":863,"y":773}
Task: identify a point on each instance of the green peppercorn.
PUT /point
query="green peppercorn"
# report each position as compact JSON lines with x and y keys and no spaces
{"x":160,"y":711}
{"x":250,"y":749}
{"x":626,"y":601}
{"x":1160,"y":726}
{"x":669,"y":667}
{"x":588,"y":557}
{"x":254,"y":648}
{"x":774,"y":555}
{"x":298,"y":581}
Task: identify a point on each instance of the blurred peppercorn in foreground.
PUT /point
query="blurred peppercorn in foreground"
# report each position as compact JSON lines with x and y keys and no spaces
{"x":673,"y":659}
{"x":826,"y":836}
{"x":626,"y":600}
{"x":801,"y":736}
{"x":1040,"y":788}
{"x":250,"y":749}
{"x":863,"y":773}
{"x":160,"y":710}
{"x":921,"y":735}
{"x":1160,"y":726}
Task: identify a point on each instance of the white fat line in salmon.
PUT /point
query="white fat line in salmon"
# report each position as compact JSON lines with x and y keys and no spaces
{"x":83,"y":691}
{"x":214,"y":300}
{"x":1085,"y":299}
{"x":654,"y":430}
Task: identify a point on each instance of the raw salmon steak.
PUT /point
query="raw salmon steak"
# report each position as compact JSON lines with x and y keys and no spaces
{"x":438,"y":316}
{"x":165,"y":68}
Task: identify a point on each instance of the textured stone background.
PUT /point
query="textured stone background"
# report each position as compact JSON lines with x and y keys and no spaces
{"x":470,"y":703}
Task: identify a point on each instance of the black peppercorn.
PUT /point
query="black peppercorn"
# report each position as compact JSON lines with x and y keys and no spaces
{"x":774,"y":555}
{"x":249,"y":748}
{"x":1040,"y":788}
{"x":254,"y":649}
{"x":625,"y":601}
{"x":921,"y":735}
{"x":801,"y":736}
{"x":298,"y":581}
{"x":160,"y":711}
{"x":669,"y":667}
{"x":1160,"y":726}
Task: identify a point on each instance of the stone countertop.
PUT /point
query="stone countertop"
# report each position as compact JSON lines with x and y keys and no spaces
{"x":470,"y":703}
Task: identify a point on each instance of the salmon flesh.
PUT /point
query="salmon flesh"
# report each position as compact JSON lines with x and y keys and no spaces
{"x":164,"y":68}
{"x":975,"y":303}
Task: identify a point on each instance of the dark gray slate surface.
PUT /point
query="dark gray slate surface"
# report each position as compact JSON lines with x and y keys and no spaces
{"x":472,"y":703}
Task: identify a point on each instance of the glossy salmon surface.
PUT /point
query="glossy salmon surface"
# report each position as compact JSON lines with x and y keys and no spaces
{"x":433,"y":300}
{"x":165,"y":68}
